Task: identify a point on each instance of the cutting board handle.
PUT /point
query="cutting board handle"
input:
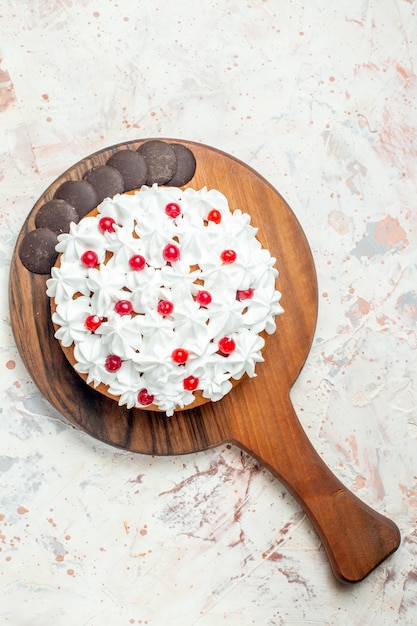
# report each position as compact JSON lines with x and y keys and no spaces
{"x":355,"y":537}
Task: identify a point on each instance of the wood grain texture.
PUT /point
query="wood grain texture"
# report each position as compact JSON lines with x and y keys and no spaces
{"x":257,"y":415}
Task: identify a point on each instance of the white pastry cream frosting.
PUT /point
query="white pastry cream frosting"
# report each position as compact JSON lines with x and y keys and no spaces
{"x":162,"y":294}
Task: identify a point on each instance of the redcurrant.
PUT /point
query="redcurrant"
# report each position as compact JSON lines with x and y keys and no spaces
{"x":244,"y":294}
{"x":190,"y":383}
{"x":226,"y":345}
{"x":172,"y":209}
{"x":165,"y":307}
{"x":180,"y":356}
{"x":92,"y":322}
{"x":228,"y":256}
{"x":113,"y":363}
{"x":137,"y":262}
{"x":106,"y":224}
{"x":145,"y":398}
{"x":214,"y":216}
{"x":203,"y":298}
{"x":123,"y":307}
{"x":89,"y":258}
{"x":171,"y":253}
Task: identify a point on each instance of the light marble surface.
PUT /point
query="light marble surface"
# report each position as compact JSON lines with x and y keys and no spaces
{"x":320,"y":98}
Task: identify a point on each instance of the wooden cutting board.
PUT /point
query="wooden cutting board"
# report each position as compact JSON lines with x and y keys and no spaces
{"x":257,"y":415}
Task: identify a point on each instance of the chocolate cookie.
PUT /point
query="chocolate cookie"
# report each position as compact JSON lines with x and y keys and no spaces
{"x":186,"y":165}
{"x":80,"y":194}
{"x":132,"y":166}
{"x":56,"y":215}
{"x":106,"y":180}
{"x":37,"y":250}
{"x":160,"y":159}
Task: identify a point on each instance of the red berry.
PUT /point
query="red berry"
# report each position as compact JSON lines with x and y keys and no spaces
{"x":244,"y":294}
{"x":172,"y":209}
{"x":89,"y":258}
{"x":165,"y":307}
{"x":171,"y":253}
{"x":226,"y":345}
{"x":228,"y":256}
{"x":113,"y":363}
{"x":123,"y":307}
{"x":137,"y":262}
{"x":214,"y":216}
{"x":106,"y":224}
{"x":203,"y":298}
{"x":190,"y":383}
{"x":92,"y":322}
{"x":145,"y":398}
{"x":180,"y":356}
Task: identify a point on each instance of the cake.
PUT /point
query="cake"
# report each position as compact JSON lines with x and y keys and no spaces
{"x":162,"y":298}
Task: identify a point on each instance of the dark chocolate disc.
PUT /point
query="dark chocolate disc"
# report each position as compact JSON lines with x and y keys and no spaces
{"x":37,"y":250}
{"x":132,"y":166}
{"x":56,"y":215}
{"x":160,"y":159}
{"x":186,"y":165}
{"x":80,"y":194}
{"x":106,"y":180}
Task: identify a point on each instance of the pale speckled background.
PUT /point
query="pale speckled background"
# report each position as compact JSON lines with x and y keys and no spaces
{"x":320,"y":98}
